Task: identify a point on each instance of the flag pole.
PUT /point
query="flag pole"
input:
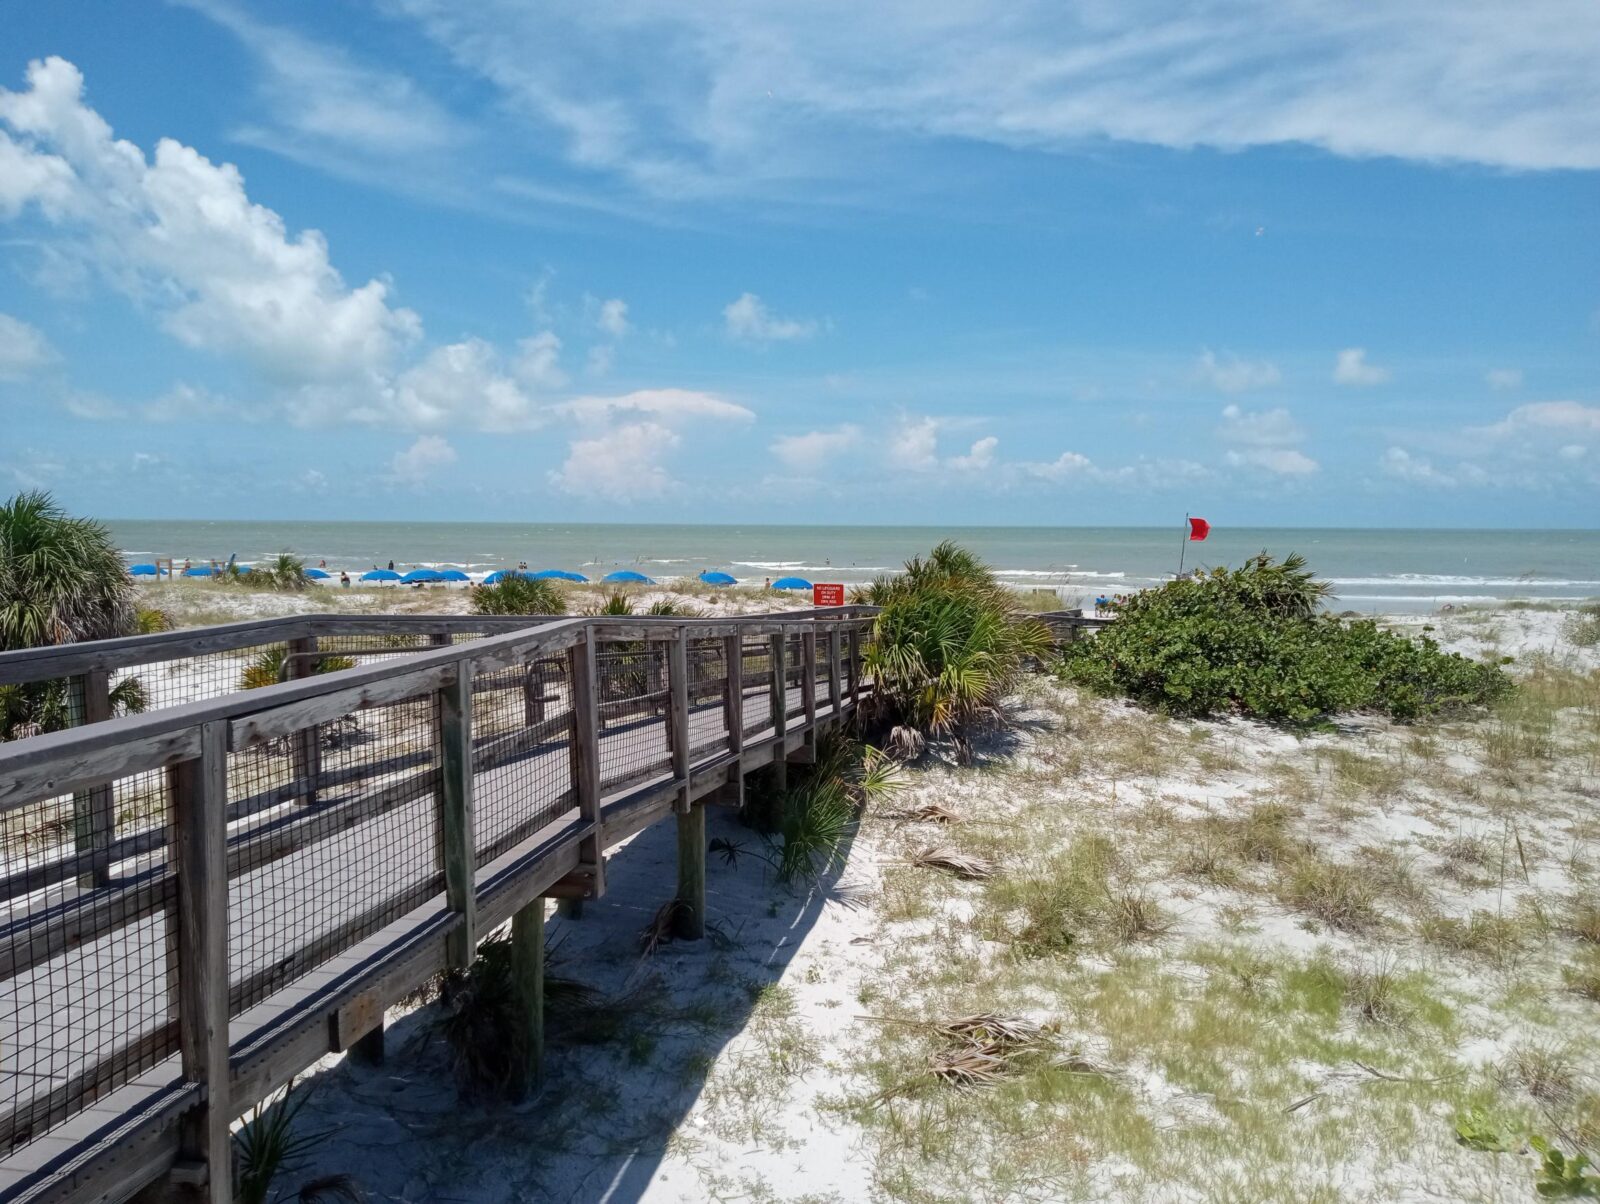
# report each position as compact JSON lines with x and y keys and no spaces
{"x":1183,"y":543}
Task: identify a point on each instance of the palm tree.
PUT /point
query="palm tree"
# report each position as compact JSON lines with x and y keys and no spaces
{"x":61,"y":578}
{"x":515,"y":594}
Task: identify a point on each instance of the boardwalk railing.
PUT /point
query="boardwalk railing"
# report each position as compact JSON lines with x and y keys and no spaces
{"x":204,"y":897}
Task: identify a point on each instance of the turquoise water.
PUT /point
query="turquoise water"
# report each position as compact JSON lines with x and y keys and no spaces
{"x":1371,"y":569}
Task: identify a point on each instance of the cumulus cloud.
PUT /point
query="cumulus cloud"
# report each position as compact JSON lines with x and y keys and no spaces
{"x":539,"y":361}
{"x":669,"y":405}
{"x":1065,"y":467}
{"x":1260,"y":428}
{"x":1402,"y":465}
{"x":422,"y":458}
{"x":1284,"y":461}
{"x":178,"y":233}
{"x":914,"y":444}
{"x":24,"y":350}
{"x":612,"y":317}
{"x":1265,"y":440}
{"x":457,"y":384}
{"x":1503,"y":378}
{"x":979,"y":457}
{"x":748,"y":320}
{"x":1230,"y":374}
{"x":814,"y":449}
{"x":624,"y":464}
{"x":1351,"y":368}
{"x":1541,"y":417}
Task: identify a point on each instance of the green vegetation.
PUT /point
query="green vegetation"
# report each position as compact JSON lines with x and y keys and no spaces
{"x":61,"y":578}
{"x":285,"y":574}
{"x":270,"y":1145}
{"x":1582,"y":627}
{"x":618,"y":602}
{"x":947,"y":646}
{"x":515,"y":594}
{"x":1249,"y":640}
{"x":266,"y":668}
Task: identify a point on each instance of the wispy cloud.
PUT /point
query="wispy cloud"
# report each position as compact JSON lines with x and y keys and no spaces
{"x":1351,"y":367}
{"x":748,"y":320}
{"x":1228,"y":373}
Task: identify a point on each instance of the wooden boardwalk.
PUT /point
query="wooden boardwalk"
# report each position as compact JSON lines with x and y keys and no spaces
{"x":150,"y":1001}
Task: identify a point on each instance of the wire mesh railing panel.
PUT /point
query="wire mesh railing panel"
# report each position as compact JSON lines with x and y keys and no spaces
{"x":757,"y":707}
{"x":632,"y":693}
{"x":344,"y":651}
{"x":85,"y":1006}
{"x":708,"y":695}
{"x":522,"y":742}
{"x":355,"y":850}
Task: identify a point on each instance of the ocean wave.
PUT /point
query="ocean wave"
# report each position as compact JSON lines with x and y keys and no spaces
{"x":1448,"y":579}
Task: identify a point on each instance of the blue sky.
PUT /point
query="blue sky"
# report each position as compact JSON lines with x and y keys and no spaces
{"x":1090,"y":263}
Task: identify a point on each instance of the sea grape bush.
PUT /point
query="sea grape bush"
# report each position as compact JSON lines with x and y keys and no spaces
{"x":1251,"y":641}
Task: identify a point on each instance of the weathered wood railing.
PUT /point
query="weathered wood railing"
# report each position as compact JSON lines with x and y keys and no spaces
{"x":203,"y":898}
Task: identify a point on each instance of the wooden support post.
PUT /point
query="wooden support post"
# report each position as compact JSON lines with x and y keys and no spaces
{"x":678,"y":717}
{"x":369,"y":1050}
{"x":199,"y":790}
{"x":305,"y":746}
{"x":689,"y":922}
{"x":835,"y":699}
{"x":94,"y":811}
{"x":455,"y":812}
{"x":583,"y":669}
{"x":527,"y":975}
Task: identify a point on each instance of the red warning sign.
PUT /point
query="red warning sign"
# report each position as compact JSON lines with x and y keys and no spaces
{"x":827,"y":595}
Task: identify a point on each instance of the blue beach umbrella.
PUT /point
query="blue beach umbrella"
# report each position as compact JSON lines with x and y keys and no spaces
{"x":199,"y":570}
{"x":791,"y":583}
{"x":453,"y":575}
{"x":144,"y":570}
{"x":558,"y":575}
{"x":381,"y":575}
{"x":713,"y":578}
{"x":499,"y":575}
{"x":416,"y":575}
{"x":629,"y":576}
{"x":317,"y":574}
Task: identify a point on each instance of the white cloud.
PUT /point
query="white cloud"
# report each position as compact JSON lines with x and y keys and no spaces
{"x":1503,"y":378}
{"x":670,"y":405}
{"x":1259,"y":428}
{"x":814,"y":449}
{"x":459,"y":383}
{"x":1065,"y":467}
{"x":978,"y":458}
{"x":624,"y":464}
{"x":422,"y":458}
{"x":914,"y":444}
{"x":1284,"y":461}
{"x":319,"y":95}
{"x":748,"y":320}
{"x":1400,"y":464}
{"x":185,"y":403}
{"x":768,"y":95}
{"x":1544,"y":416}
{"x":24,"y":350}
{"x":1351,"y":368}
{"x":613,"y":317}
{"x":539,"y":361}
{"x":179,"y":234}
{"x":1230,"y":374}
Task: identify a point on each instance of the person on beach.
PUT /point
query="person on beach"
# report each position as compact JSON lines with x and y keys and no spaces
{"x":391,"y":566}
{"x":344,"y":579}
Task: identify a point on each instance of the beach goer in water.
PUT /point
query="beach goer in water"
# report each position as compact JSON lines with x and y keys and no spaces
{"x":322,"y":564}
{"x":391,"y":566}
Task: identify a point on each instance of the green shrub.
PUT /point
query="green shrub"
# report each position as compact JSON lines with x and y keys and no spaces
{"x":948,"y":644}
{"x":266,"y":667}
{"x":1250,"y":640}
{"x":1582,"y":627}
{"x":518,"y":595}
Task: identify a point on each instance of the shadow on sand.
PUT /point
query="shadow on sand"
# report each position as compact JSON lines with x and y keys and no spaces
{"x":615,"y":1093}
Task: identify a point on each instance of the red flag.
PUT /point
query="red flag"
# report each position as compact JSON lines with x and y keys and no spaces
{"x":1198,"y":529}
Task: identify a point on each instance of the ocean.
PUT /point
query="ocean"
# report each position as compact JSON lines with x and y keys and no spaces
{"x":1371,"y":570}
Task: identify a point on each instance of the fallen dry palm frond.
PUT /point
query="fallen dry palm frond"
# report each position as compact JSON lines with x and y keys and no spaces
{"x":933,"y":813}
{"x":962,"y":865}
{"x":991,"y":1029}
{"x":970,"y":1064}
